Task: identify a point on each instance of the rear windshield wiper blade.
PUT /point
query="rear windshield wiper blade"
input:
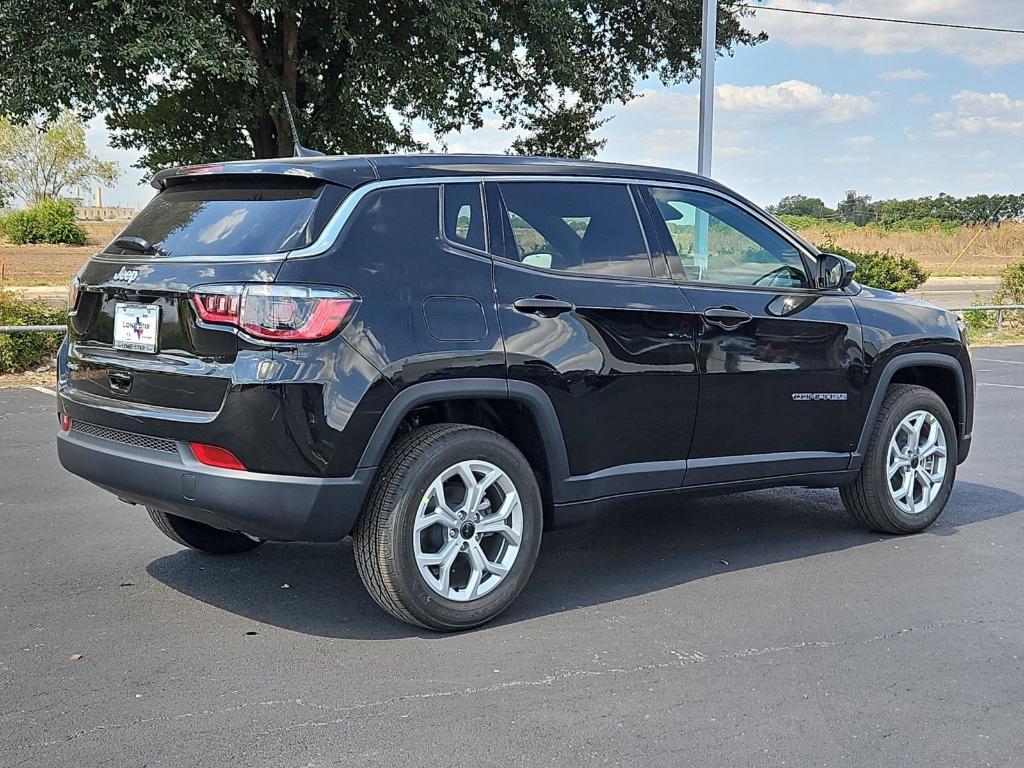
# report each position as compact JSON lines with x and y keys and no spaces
{"x":137,"y":244}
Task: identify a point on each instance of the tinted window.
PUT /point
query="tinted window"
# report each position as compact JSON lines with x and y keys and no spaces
{"x":463,"y":215}
{"x":714,"y":241}
{"x":574,"y":226}
{"x":200,"y":219}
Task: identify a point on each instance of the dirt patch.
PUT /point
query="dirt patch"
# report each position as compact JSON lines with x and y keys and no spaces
{"x":53,"y":264}
{"x":47,"y":378}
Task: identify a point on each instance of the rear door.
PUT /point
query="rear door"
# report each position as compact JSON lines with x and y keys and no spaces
{"x":780,"y":361}
{"x":133,"y":335}
{"x":591,"y":320}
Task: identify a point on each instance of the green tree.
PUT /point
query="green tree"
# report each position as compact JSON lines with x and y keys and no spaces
{"x":801,"y":205}
{"x":39,"y":160}
{"x":194,"y":80}
{"x":563,"y":131}
{"x":856,"y":209}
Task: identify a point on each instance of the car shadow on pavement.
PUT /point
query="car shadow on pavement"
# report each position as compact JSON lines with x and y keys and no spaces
{"x":314,"y":588}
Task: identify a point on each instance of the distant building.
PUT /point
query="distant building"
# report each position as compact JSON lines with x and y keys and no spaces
{"x":101,"y":212}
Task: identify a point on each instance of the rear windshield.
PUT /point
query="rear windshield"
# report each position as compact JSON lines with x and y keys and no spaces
{"x":232,"y":219}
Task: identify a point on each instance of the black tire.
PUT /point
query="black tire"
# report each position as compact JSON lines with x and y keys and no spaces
{"x":383,"y":535}
{"x":867,"y":498}
{"x":199,"y":536}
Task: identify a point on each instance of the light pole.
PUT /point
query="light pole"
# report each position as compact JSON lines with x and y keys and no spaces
{"x":701,"y":223}
{"x":707,"y":84}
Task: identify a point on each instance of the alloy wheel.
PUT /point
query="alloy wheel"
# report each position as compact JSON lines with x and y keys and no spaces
{"x":468,"y":530}
{"x":916,"y":463}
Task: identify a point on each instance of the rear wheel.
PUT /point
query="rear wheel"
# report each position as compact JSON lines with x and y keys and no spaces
{"x":909,"y":466}
{"x":451,"y":529}
{"x":199,"y":536}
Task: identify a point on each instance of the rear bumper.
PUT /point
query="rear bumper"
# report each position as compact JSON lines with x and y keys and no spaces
{"x":279,"y":507}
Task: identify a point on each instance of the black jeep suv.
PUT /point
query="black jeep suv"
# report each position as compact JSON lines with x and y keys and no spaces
{"x":443,"y":355}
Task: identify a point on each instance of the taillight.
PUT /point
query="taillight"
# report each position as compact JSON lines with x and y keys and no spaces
{"x":274,"y":312}
{"x":214,"y":456}
{"x":73,"y":294}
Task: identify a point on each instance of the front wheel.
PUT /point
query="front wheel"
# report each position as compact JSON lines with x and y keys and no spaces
{"x":909,"y":466}
{"x":451,"y":528}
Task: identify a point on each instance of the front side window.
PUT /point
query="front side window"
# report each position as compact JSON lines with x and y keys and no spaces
{"x":713,"y":241}
{"x":463,"y":215}
{"x":575,"y":227}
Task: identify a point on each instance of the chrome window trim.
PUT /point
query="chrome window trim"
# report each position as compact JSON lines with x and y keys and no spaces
{"x":336,"y":224}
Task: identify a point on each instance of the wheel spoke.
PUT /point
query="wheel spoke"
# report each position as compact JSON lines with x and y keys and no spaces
{"x":906,"y":487}
{"x":897,"y":465}
{"x":936,"y":449}
{"x":498,"y":522}
{"x":476,"y":488}
{"x":444,"y":555}
{"x":478,"y":559}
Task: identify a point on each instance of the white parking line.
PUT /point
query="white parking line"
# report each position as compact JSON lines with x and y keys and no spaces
{"x":1008,"y":386}
{"x":993,"y":360}
{"x":45,"y":391}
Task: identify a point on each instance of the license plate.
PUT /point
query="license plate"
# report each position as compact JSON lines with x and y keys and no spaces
{"x":136,"y":327}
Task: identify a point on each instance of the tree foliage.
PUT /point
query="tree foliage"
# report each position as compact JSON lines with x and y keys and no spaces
{"x":914,"y":214}
{"x":39,"y":160}
{"x":195,"y":80}
{"x":855,"y":208}
{"x":801,"y":205}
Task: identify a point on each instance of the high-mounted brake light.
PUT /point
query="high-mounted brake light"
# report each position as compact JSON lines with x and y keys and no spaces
{"x":201,"y":170}
{"x":213,"y":456}
{"x":274,"y":312}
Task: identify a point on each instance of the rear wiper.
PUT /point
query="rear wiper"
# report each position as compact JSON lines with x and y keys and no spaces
{"x":137,"y":244}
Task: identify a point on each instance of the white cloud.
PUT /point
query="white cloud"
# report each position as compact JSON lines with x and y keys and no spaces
{"x":860,"y":141}
{"x":878,"y":38}
{"x":794,"y":96}
{"x":921,"y":99}
{"x":906,"y":74}
{"x":843,"y":160}
{"x":975,"y":113}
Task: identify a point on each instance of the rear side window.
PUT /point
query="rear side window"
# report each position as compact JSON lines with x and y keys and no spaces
{"x":233,"y":219}
{"x":463,"y":215}
{"x":576,"y":227}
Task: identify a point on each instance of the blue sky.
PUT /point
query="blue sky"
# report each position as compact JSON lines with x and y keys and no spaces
{"x":824,"y":106}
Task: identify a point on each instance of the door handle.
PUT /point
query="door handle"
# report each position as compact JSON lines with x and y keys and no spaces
{"x":542,"y":305}
{"x":727,"y":317}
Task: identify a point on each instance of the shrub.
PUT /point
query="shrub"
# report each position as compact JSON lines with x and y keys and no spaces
{"x":887,"y":271}
{"x":1011,"y":285}
{"x":51,"y":221}
{"x":21,"y":351}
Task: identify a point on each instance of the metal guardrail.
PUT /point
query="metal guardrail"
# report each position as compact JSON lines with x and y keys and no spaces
{"x":997,"y":308}
{"x":33,"y":328}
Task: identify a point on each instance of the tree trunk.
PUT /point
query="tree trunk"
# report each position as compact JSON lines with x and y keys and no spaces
{"x":289,"y":77}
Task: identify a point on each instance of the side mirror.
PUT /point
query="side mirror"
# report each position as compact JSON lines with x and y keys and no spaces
{"x":835,"y":271}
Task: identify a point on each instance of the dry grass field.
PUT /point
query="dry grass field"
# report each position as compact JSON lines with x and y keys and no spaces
{"x":995,"y":247}
{"x":53,"y":264}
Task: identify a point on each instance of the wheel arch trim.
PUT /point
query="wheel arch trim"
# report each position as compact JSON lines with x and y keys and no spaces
{"x":530,"y":395}
{"x":909,"y":360}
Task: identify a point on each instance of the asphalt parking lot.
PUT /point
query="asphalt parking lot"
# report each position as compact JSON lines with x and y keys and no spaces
{"x":757,"y":629}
